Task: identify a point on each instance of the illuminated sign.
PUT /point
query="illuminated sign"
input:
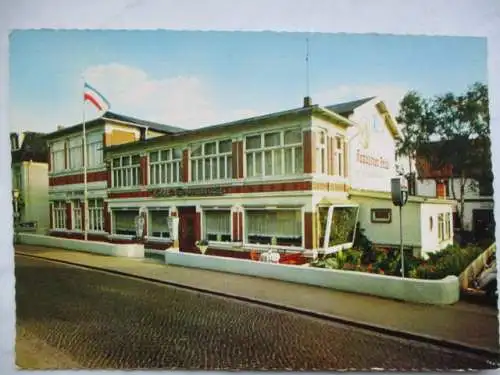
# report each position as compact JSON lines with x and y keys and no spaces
{"x":188,"y":192}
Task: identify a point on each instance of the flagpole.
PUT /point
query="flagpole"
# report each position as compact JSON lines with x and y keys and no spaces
{"x":85,"y":192}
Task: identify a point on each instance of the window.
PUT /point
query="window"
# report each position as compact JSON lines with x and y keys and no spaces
{"x":212,"y":161}
{"x":321,"y":160}
{"x":57,"y":157}
{"x":158,"y":224}
{"x":274,"y":227}
{"x":124,"y":222}
{"x":75,"y":153}
{"x":126,"y":171}
{"x":77,"y":215}
{"x":444,"y":226}
{"x":165,"y":166}
{"x":59,"y":215}
{"x":217,"y":225}
{"x":274,"y":154}
{"x":339,"y":156}
{"x":381,"y":215}
{"x":96,"y":215}
{"x":94,"y":150}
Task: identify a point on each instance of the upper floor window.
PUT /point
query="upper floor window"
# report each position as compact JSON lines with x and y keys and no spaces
{"x":339,"y":156}
{"x":165,"y":166}
{"x":321,"y":159}
{"x":212,"y":161}
{"x":75,"y":152}
{"x":94,"y":150}
{"x":57,"y":161}
{"x":126,"y":171}
{"x":276,"y":153}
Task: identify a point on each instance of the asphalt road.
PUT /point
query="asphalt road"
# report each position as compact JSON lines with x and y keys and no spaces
{"x":89,"y":319}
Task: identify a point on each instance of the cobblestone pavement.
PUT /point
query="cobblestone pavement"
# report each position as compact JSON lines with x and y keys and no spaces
{"x":105,"y":321}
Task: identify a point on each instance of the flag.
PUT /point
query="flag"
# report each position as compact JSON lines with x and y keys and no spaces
{"x":95,"y":97}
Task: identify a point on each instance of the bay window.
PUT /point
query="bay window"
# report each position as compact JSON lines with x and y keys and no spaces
{"x":125,"y":171}
{"x":57,"y":157}
{"x":124,"y":222}
{"x":75,"y":152}
{"x":217,"y":225}
{"x":212,"y":161}
{"x":158,"y":223}
{"x":281,"y":227}
{"x":59,"y":215}
{"x":77,"y":215}
{"x":96,"y":215}
{"x":336,"y":226}
{"x":274,"y":153}
{"x":165,"y":166}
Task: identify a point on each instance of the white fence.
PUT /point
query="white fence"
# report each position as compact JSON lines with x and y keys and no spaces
{"x":104,"y":248}
{"x":445,"y":291}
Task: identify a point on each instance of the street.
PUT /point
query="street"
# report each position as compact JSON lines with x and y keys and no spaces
{"x":80,"y":318}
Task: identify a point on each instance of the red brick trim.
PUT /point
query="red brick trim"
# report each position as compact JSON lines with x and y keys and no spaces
{"x":235,"y":226}
{"x":78,"y":178}
{"x":308,"y":230}
{"x":51,"y":216}
{"x":82,"y":208}
{"x":143,"y":171}
{"x":240,"y":159}
{"x":234,"y":160}
{"x":306,"y":149}
{"x":106,"y":218}
{"x":240,"y":226}
{"x":66,"y":165}
{"x":197,"y":226}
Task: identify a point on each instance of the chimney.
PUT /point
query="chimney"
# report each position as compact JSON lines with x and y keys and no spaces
{"x":307,"y":101}
{"x":14,"y":141}
{"x":440,"y":189}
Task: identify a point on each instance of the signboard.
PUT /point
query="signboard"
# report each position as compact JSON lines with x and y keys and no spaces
{"x":189,"y":192}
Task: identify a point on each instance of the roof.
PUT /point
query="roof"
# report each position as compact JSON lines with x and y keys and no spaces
{"x":347,"y":108}
{"x":167,"y":129}
{"x":34,"y":148}
{"x":309,"y":110}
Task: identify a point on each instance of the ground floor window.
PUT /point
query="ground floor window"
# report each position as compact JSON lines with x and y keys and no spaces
{"x":124,"y":222}
{"x":77,"y":215}
{"x":217,"y":225}
{"x":158,"y":223}
{"x":59,"y":215}
{"x":274,"y":227}
{"x":444,"y":226}
{"x":96,"y":215}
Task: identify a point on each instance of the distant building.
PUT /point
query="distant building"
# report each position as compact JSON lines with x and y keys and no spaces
{"x":66,"y":178}
{"x":436,"y":179}
{"x":29,"y":166}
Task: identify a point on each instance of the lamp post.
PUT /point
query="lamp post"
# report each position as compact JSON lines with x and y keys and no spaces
{"x":399,"y":192}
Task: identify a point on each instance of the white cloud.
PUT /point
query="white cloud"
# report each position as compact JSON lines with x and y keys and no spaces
{"x":391,"y":94}
{"x":184,"y":101}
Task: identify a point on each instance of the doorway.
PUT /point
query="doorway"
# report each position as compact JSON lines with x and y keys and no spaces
{"x":187,"y":228}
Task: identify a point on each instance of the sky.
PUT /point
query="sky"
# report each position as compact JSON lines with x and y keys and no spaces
{"x":198,"y":78}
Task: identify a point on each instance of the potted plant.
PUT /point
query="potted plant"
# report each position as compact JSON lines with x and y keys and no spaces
{"x":202,"y":245}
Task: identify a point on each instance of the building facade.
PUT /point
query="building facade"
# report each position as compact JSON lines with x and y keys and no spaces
{"x":29,"y":170}
{"x":292,"y":181}
{"x":66,"y":178}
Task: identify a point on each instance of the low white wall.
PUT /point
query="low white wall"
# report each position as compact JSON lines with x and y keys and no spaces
{"x":445,"y":291}
{"x":104,"y":248}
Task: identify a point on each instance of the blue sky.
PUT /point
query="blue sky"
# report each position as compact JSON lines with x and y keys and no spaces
{"x":192,"y":78}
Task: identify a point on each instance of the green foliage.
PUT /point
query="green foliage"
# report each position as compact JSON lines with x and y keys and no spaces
{"x":343,"y":224}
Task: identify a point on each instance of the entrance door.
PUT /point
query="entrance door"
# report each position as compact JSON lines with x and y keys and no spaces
{"x":484,"y":223}
{"x":187,"y":232}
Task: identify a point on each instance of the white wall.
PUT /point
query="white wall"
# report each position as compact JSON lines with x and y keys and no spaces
{"x":382,"y":233}
{"x":372,"y":138}
{"x":430,"y":239}
{"x":445,"y":291}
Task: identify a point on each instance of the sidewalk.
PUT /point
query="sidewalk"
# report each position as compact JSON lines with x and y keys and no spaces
{"x":468,"y":324}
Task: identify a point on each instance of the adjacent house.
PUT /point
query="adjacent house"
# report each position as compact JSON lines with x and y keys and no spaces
{"x":29,"y":167}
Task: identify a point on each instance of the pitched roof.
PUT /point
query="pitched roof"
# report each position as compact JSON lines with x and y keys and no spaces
{"x":167,"y":129}
{"x":348,"y":107}
{"x":149,"y":124}
{"x":33,"y":148}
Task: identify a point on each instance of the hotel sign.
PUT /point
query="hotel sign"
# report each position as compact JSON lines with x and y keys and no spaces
{"x":189,"y":192}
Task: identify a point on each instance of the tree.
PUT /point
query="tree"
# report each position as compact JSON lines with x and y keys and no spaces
{"x":459,"y":126}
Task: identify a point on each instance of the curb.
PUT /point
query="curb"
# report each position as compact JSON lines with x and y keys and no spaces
{"x":449,"y":344}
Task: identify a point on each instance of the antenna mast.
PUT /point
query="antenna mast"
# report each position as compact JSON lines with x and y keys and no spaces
{"x":307,"y":66}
